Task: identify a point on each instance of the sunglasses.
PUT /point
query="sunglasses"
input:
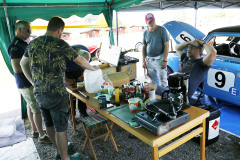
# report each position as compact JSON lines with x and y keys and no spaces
{"x":28,"y":30}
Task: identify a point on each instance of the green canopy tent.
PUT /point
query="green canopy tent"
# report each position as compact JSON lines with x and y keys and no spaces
{"x":29,"y":10}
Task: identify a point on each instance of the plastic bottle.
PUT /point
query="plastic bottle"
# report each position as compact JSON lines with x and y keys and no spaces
{"x":126,"y":89}
{"x":117,"y":94}
{"x":131,"y":91}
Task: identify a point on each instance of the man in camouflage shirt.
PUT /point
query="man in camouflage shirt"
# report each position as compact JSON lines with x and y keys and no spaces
{"x":46,"y":56}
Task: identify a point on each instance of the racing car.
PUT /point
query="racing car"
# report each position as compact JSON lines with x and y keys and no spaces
{"x":223,"y":78}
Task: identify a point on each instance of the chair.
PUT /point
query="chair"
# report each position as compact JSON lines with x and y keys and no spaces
{"x":94,"y":121}
{"x":198,"y":102}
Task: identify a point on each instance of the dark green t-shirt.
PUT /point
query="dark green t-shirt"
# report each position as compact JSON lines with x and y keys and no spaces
{"x":47,"y":61}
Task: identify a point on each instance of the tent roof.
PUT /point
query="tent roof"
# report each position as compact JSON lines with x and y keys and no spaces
{"x":179,"y":4}
{"x":29,"y":10}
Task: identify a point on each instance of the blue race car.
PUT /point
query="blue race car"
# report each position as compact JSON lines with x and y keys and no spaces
{"x":223,"y":78}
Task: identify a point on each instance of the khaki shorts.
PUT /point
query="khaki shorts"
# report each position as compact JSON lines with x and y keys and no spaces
{"x":28,"y":95}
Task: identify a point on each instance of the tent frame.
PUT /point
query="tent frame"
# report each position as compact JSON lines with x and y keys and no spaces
{"x":7,"y":19}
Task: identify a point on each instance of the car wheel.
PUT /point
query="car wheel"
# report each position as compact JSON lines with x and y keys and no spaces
{"x":138,"y":47}
{"x":169,"y":70}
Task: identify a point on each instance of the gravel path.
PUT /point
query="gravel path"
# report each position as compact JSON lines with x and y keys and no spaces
{"x":227,"y":147}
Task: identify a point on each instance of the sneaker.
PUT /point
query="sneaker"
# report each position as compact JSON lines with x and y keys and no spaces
{"x":35,"y":134}
{"x":44,"y":139}
{"x":70,"y":146}
{"x":75,"y":156}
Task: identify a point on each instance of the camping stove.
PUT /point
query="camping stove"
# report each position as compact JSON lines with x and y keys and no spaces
{"x":162,"y":115}
{"x":162,"y":124}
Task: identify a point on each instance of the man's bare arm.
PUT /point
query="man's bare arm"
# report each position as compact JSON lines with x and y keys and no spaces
{"x":144,"y":55}
{"x":180,"y":48}
{"x":166,"y":49}
{"x":84,"y":63}
{"x":25,"y":65}
{"x":211,"y":53}
{"x":16,"y":65}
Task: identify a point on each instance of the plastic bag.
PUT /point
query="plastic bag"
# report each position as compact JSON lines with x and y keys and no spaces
{"x":93,"y":80}
{"x":204,"y":99}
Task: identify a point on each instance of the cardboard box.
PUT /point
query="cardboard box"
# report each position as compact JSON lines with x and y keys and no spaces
{"x":107,"y":69}
{"x":119,"y":78}
{"x":130,"y":69}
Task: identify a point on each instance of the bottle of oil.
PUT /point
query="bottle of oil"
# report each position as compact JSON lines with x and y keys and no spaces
{"x":146,"y":90}
{"x":117,"y":95}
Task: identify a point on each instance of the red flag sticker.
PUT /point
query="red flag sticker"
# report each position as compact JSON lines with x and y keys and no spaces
{"x":238,"y":75}
{"x":215,"y":124}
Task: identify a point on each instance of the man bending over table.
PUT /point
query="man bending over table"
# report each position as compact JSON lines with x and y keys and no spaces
{"x":73,"y":74}
{"x":44,"y":64}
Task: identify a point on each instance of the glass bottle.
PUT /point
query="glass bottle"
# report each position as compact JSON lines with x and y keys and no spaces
{"x":146,"y":90}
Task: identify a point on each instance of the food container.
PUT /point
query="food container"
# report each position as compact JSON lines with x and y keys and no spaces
{"x":133,"y":105}
{"x":102,"y":99}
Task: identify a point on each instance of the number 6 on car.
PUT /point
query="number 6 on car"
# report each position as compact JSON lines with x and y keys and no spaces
{"x":184,"y":37}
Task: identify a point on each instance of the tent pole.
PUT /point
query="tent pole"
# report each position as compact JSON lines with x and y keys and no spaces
{"x":7,"y":19}
{"x":117,"y":26}
{"x":52,"y":6}
{"x":196,"y":8}
{"x":195,"y":25}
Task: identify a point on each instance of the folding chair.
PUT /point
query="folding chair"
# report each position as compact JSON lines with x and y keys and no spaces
{"x":94,"y":121}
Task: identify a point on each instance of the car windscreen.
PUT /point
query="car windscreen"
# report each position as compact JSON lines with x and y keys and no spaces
{"x":225,"y":45}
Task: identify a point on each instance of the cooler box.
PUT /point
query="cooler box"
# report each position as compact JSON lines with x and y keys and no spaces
{"x":128,"y":64}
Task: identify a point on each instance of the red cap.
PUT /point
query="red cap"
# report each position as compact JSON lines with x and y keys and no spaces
{"x":149,"y":17}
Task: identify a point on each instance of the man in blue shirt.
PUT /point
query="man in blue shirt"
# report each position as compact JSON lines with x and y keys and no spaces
{"x":155,"y":51}
{"x":16,"y":50}
{"x":74,"y":72}
{"x":192,"y":64}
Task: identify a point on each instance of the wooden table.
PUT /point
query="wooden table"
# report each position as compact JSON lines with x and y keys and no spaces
{"x":197,"y":119}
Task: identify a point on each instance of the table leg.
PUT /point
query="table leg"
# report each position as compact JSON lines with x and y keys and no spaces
{"x":72,"y":111}
{"x":202,"y":141}
{"x":155,"y":155}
